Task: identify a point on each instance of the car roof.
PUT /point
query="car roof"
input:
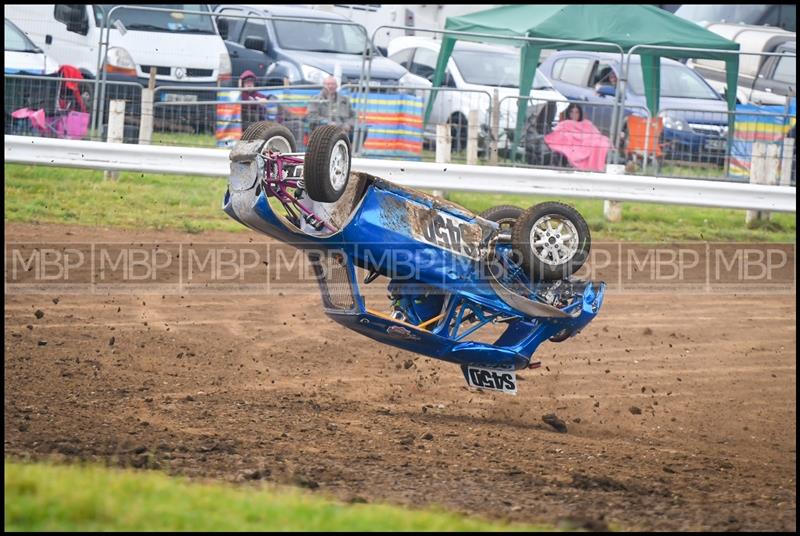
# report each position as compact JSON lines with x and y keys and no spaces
{"x":415,"y":41}
{"x":610,"y":57}
{"x":287,"y":11}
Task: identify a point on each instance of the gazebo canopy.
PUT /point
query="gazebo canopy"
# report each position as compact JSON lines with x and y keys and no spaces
{"x":605,"y":27}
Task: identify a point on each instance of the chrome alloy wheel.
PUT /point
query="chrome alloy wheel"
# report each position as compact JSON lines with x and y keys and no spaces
{"x":340,"y":164}
{"x":554,"y":240}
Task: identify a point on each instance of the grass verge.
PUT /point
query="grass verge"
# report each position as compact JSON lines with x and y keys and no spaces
{"x":45,"y":497}
{"x":192,"y":204}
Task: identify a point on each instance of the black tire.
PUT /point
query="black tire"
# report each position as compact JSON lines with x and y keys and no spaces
{"x":505,"y":215}
{"x":271,"y":132}
{"x":327,"y":142}
{"x":538,"y":260}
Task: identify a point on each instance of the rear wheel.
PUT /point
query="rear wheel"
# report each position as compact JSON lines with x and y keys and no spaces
{"x":279,"y":138}
{"x":552,"y":241}
{"x":327,"y":164}
{"x":505,"y":215}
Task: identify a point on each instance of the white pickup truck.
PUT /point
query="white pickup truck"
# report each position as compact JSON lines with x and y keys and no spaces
{"x":763,"y":80}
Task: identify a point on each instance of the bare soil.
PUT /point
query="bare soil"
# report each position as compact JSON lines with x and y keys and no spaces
{"x":680,"y":408}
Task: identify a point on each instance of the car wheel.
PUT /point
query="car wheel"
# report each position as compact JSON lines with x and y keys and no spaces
{"x":279,"y":138}
{"x":327,"y":164}
{"x":552,"y":241}
{"x":505,"y":215}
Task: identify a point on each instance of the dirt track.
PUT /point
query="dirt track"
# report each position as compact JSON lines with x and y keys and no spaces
{"x":681,"y":408}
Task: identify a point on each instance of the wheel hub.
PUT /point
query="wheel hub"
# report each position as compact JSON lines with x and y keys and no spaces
{"x":339,"y":165}
{"x":277,"y":144}
{"x":554,"y":240}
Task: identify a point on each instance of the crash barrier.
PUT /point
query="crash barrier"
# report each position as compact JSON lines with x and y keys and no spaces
{"x":495,"y":179}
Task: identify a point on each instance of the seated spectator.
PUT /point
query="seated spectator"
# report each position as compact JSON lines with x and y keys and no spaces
{"x":541,"y":119}
{"x":331,"y":108}
{"x":248,"y":80}
{"x":579,"y":141}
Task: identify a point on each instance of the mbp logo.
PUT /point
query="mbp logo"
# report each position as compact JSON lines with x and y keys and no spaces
{"x":40,"y":264}
{"x":492,"y":379}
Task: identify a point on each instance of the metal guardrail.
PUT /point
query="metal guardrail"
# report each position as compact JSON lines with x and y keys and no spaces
{"x":215,"y":163}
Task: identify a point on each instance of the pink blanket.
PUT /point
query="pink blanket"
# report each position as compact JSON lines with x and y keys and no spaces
{"x":580,"y":141}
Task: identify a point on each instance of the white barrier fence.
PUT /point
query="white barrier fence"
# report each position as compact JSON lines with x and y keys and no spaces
{"x":448,"y":177}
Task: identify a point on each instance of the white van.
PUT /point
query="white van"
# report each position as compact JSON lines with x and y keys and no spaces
{"x":184,"y":48}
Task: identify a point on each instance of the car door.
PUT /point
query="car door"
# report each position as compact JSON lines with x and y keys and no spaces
{"x":602,"y":114}
{"x":572,"y":76}
{"x":243,"y":58}
{"x":403,"y":57}
{"x":423,"y":63}
{"x":777,"y":78}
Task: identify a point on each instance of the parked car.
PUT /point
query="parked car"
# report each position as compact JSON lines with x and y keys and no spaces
{"x":763,"y":80}
{"x":474,"y":67}
{"x":302,"y":52}
{"x":694,"y":114}
{"x":777,"y":15}
{"x":21,"y":56}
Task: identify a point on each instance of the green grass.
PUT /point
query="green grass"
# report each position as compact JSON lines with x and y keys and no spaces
{"x":136,"y":200}
{"x":44,"y":497}
{"x":183,"y":140}
{"x":653,"y":223}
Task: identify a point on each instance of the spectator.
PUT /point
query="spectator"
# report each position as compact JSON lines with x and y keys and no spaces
{"x":331,"y":108}
{"x":609,"y":80}
{"x":579,"y":141}
{"x":248,"y":80}
{"x":252,"y":113}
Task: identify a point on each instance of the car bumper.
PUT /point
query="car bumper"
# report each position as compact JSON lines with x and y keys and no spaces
{"x":680,"y":144}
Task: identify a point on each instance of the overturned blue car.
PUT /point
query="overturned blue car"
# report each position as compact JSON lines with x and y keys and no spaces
{"x":450,"y":272}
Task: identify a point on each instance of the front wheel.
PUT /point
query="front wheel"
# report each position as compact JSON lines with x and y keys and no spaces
{"x":552,"y":240}
{"x":327,"y":164}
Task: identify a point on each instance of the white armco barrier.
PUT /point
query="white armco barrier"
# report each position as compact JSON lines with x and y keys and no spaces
{"x":431,"y":176}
